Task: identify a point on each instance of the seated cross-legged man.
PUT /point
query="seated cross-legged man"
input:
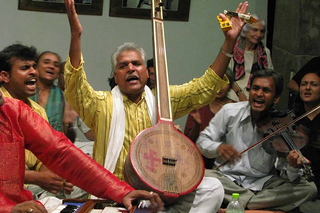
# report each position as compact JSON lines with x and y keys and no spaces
{"x":252,"y":174}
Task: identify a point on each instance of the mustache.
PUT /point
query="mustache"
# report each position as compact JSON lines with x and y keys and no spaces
{"x":132,"y":76}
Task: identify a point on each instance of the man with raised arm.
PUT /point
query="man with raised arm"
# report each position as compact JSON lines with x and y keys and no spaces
{"x":252,"y":174}
{"x":116,"y":117}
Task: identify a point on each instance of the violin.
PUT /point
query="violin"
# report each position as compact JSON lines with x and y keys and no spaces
{"x":292,"y":137}
{"x":274,"y":134}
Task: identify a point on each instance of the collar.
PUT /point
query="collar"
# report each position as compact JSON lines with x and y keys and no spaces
{"x":126,"y":99}
{"x":30,"y":103}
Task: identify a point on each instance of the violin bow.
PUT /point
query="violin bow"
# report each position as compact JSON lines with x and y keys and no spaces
{"x":274,"y":133}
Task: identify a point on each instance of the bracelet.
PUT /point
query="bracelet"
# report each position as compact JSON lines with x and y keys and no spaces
{"x":230,"y":55}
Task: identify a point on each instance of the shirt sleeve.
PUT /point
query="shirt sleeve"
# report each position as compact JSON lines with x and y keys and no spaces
{"x":212,"y":136}
{"x":63,"y":158}
{"x":196,"y":94}
{"x":79,"y":94}
{"x":287,"y":171}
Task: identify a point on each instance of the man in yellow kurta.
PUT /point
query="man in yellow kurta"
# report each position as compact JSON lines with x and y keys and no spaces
{"x":97,"y":108}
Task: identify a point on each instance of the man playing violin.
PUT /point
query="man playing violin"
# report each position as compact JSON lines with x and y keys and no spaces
{"x":253,"y":174}
{"x":98,"y":109}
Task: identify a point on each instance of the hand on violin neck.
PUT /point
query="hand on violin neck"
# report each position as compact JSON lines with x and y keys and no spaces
{"x":228,"y":153}
{"x":295,"y":160}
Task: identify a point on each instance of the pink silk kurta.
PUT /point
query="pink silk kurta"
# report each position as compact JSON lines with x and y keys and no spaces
{"x":20,"y":127}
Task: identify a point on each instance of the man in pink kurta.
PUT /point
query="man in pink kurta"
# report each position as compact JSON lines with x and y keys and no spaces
{"x":20,"y":127}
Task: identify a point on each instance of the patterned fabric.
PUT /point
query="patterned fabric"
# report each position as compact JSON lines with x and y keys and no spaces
{"x":32,"y":162}
{"x":259,"y":60}
{"x":95,"y":107}
{"x":20,"y":127}
{"x":54,"y":107}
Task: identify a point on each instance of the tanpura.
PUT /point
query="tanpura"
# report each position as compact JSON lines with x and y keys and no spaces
{"x":162,"y":159}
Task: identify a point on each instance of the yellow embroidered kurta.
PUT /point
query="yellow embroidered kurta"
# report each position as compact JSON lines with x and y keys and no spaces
{"x":32,"y":162}
{"x":95,"y":107}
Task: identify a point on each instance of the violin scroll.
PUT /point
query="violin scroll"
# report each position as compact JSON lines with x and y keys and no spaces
{"x":307,"y":173}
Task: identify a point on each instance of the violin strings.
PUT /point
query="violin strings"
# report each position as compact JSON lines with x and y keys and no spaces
{"x":292,"y":145}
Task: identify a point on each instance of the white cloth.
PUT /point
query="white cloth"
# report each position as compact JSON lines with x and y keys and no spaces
{"x":207,"y":197}
{"x":51,"y":203}
{"x":117,"y":127}
{"x":232,"y":125}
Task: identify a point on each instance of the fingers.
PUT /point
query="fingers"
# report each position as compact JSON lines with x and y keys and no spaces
{"x":53,"y":182}
{"x":29,"y":206}
{"x":292,"y":158}
{"x":37,"y":208}
{"x":228,"y":153}
{"x":295,"y":159}
{"x":68,"y":188}
{"x":223,"y":16}
{"x":154,"y":198}
{"x":68,"y":185}
{"x":238,"y":8}
{"x":70,"y":8}
{"x":159,"y":203}
{"x":242,"y":7}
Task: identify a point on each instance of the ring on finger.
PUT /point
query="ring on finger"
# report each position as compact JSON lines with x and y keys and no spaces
{"x":151,"y":192}
{"x":30,"y":210}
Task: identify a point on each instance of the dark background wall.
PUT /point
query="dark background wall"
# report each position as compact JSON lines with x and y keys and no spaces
{"x":296,"y":37}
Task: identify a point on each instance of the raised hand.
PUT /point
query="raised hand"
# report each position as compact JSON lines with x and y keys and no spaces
{"x":220,"y":65}
{"x":74,"y":22}
{"x":236,"y":22}
{"x":76,"y":31}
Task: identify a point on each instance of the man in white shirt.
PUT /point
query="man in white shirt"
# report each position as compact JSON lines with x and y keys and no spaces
{"x":252,"y":174}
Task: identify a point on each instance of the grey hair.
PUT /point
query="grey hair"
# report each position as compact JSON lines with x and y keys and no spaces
{"x":124,"y":47}
{"x":248,"y":27}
